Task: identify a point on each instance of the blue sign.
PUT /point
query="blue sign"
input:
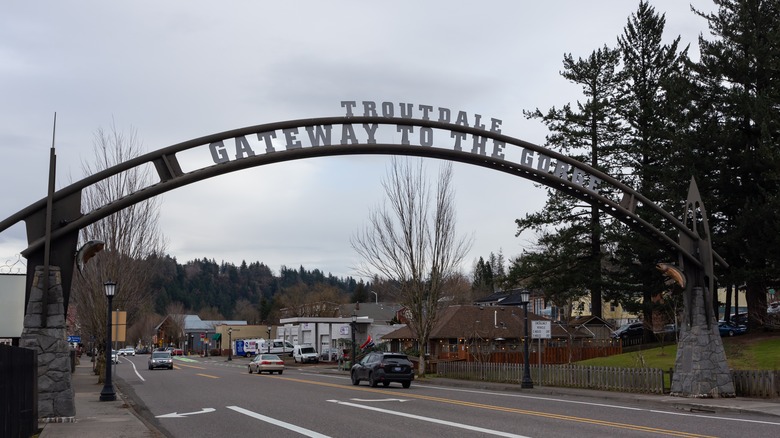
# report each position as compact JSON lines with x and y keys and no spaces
{"x":74,"y":339}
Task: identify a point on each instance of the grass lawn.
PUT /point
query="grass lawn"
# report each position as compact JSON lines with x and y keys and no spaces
{"x":759,"y":351}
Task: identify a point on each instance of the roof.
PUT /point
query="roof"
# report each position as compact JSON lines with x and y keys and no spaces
{"x":510,"y":297}
{"x":193,"y":323}
{"x":484,"y":322}
{"x":379,"y":312}
{"x":588,"y":320}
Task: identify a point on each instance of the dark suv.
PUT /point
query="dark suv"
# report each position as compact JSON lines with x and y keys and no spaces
{"x":379,"y":367}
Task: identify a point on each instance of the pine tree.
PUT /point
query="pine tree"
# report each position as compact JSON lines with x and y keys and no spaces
{"x":571,"y":261}
{"x":738,"y":78}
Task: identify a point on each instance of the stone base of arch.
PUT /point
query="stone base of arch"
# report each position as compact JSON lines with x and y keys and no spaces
{"x":701,"y":369}
{"x":45,"y":332}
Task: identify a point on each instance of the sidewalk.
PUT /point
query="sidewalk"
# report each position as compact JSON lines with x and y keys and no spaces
{"x":96,"y":419}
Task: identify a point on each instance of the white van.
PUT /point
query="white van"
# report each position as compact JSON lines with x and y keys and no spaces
{"x":280,"y":346}
{"x":305,"y":354}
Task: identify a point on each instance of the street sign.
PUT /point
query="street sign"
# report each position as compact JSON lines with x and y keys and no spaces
{"x":541,"y":329}
{"x":74,"y":339}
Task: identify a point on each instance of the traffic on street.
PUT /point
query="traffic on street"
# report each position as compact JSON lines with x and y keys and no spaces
{"x":215,"y":397}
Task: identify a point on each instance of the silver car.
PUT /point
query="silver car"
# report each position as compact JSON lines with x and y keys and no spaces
{"x":161,"y":359}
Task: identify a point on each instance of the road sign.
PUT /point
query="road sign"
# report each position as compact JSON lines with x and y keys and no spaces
{"x":74,"y":339}
{"x":541,"y":329}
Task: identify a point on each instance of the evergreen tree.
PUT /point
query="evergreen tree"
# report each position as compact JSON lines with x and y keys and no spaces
{"x":649,"y":70}
{"x":570,"y":233}
{"x":483,"y":278}
{"x":738,"y":78}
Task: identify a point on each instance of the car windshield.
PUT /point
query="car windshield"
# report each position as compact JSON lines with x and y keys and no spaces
{"x":269,"y":357}
{"x":307,"y":350}
{"x":160,"y":354}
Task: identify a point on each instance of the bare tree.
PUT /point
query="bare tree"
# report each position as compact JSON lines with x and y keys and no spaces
{"x":130,"y":236}
{"x":244,"y":310}
{"x":411,"y":240}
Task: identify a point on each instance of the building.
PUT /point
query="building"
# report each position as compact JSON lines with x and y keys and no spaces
{"x":190,"y":333}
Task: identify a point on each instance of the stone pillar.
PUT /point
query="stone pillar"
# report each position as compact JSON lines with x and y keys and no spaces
{"x":701,"y":370}
{"x":55,"y":390}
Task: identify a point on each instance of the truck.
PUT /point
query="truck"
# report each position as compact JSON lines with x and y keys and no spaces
{"x":248,"y":347}
{"x":253,"y":347}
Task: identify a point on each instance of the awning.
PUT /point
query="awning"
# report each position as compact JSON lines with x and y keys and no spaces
{"x":216,"y":336}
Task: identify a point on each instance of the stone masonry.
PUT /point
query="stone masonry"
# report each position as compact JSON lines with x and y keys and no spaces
{"x":701,"y":370}
{"x":55,"y":391}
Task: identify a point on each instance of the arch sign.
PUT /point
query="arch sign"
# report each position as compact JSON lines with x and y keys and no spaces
{"x":364,"y":128}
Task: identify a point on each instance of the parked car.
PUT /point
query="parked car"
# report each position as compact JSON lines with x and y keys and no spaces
{"x":731,"y":328}
{"x":127,"y":351}
{"x":266,"y":362}
{"x":330,"y":354}
{"x":305,"y":354}
{"x":161,"y":359}
{"x":386,"y":368}
{"x":629,"y":330}
{"x":773,"y":308}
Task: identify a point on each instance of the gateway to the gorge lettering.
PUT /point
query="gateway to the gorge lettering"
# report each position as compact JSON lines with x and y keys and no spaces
{"x":403,"y":134}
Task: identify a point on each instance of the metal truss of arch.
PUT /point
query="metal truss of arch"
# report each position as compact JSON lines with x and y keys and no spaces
{"x":551,"y":169}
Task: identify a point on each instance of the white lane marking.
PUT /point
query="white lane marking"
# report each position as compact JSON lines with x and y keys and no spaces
{"x":279,"y":423}
{"x":182,"y":415}
{"x":604,"y":405}
{"x":136,"y":370}
{"x":432,"y":420}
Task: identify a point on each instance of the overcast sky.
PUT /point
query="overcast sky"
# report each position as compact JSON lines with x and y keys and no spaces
{"x":176,"y":70}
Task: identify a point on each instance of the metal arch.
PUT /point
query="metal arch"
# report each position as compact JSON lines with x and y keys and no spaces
{"x":171,"y":176}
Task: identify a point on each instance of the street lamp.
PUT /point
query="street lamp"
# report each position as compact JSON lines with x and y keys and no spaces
{"x":525,"y":297}
{"x":353,"y":326}
{"x":230,"y":343}
{"x":108,"y":394}
{"x":269,"y":339}
{"x":376,"y":297}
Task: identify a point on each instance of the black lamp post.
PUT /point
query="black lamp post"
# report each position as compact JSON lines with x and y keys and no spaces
{"x":525,"y":297}
{"x":269,"y":339}
{"x":108,"y":394}
{"x":353,"y":326}
{"x":230,"y":343}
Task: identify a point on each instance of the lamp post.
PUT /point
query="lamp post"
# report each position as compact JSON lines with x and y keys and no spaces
{"x":526,"y":382}
{"x":269,"y":339}
{"x":230,"y":343}
{"x":353,"y":326}
{"x":376,"y":297}
{"x":108,"y":394}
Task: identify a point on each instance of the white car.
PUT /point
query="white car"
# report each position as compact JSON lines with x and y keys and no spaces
{"x":128,"y":351}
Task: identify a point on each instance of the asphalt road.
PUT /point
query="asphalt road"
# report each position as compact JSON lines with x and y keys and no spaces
{"x":213,"y":397}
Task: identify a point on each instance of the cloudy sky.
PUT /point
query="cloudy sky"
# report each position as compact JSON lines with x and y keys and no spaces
{"x":176,"y":70}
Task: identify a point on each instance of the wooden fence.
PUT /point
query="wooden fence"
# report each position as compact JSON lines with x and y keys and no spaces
{"x":547,"y":355}
{"x":759,"y":384}
{"x":762,"y":384}
{"x":646,"y":380}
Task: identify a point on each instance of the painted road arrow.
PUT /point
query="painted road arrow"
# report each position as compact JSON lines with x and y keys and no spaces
{"x":178,"y":415}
